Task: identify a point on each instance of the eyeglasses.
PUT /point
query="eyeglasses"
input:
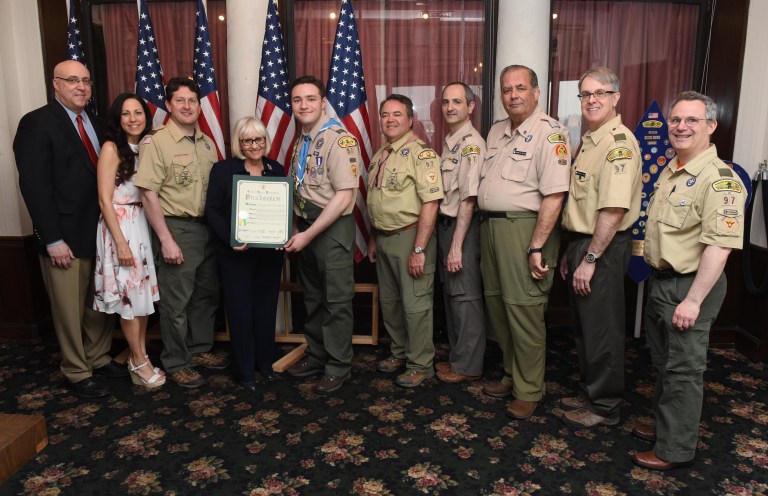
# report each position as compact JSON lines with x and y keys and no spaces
{"x":689,"y":121}
{"x":599,"y":94}
{"x":254,"y":141}
{"x":74,"y":81}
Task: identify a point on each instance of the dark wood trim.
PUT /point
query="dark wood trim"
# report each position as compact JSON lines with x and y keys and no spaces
{"x":489,"y":63}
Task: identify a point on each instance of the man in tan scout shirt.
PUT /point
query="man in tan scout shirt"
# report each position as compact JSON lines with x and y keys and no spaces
{"x":404,"y":187}
{"x":603,"y":203}
{"x":174,"y":163}
{"x":522,"y":184}
{"x":325,"y":170}
{"x":695,"y":219}
{"x":458,"y":238}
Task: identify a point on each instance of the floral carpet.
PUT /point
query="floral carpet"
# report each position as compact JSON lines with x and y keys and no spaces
{"x":372,"y":437}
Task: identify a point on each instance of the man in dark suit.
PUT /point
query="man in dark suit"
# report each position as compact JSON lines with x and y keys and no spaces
{"x":56,"y":148}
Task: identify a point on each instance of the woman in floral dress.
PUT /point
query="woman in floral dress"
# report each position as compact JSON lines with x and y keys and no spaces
{"x":125,"y":279}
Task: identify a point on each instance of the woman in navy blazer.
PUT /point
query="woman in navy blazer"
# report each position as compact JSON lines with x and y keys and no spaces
{"x":250,"y":276}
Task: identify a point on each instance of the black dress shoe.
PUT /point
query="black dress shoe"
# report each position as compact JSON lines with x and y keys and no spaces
{"x":249,"y":385}
{"x":88,"y":388}
{"x":266,"y":375}
{"x":112,"y":370}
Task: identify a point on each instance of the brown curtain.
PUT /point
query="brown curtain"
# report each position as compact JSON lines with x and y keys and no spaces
{"x":402,"y":52}
{"x":174,"y":24}
{"x":651,"y":46}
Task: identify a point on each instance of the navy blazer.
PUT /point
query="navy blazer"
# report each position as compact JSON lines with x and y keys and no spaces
{"x":57,"y":179}
{"x":218,"y":204}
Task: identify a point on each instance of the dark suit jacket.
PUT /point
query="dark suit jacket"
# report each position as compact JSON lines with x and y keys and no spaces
{"x":57,"y":179}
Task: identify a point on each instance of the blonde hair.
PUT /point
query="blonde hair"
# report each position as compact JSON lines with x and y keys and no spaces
{"x":249,"y":126}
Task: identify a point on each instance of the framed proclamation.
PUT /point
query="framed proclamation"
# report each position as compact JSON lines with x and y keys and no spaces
{"x":262,"y":211}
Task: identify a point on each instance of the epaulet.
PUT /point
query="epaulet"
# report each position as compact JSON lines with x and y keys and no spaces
{"x":340,"y":130}
{"x":424,"y":146}
{"x":466,"y":136}
{"x":725,"y":171}
{"x":618,"y":135}
{"x":554,"y":124}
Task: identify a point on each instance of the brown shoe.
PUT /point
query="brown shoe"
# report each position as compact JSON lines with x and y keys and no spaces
{"x":303,"y":368}
{"x":390,"y":364}
{"x":329,"y":384}
{"x":412,"y":378}
{"x":188,"y":378}
{"x":648,"y":459}
{"x":585,"y":418}
{"x":452,"y":377}
{"x":645,"y":432}
{"x":442,"y":366}
{"x":521,"y":409}
{"x":210,"y":360}
{"x":574,"y":402}
{"x":497,"y":389}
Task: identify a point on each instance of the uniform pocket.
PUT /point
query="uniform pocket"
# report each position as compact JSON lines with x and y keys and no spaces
{"x":181,"y":171}
{"x":675,"y":210}
{"x":580,"y":184}
{"x":450,"y":172}
{"x":339,"y":281}
{"x":424,"y":285}
{"x":517,"y":168}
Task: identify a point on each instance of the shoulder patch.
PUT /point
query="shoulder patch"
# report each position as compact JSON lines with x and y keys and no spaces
{"x":619,"y":153}
{"x":726,"y":185}
{"x":347,"y":141}
{"x":339,"y":130}
{"x":470,"y":150}
{"x":147,"y":139}
{"x":554,"y":124}
{"x":726,"y":172}
{"x":620,"y":137}
{"x":427,"y":154}
{"x":466,"y":136}
{"x":556,"y":138}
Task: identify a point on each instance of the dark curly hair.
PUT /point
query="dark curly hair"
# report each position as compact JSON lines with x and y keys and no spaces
{"x":115,"y":133}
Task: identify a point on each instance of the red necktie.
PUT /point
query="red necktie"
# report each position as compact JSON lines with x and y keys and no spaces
{"x":87,"y":141}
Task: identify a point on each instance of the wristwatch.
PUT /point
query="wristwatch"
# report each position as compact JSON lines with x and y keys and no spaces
{"x":530,"y":250}
{"x":590,"y":257}
{"x":418,"y":249}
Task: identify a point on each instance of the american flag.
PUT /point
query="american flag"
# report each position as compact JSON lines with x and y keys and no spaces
{"x":273,"y":105}
{"x":75,"y":46}
{"x":348,"y":100}
{"x":150,"y":84}
{"x":202,"y":72}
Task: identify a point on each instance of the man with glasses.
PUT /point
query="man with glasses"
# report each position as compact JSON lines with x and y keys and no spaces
{"x":695,"y":219}
{"x":458,"y":238}
{"x":404,"y":187}
{"x":325,"y":168}
{"x":56,"y":148}
{"x":522,"y":184}
{"x":603,"y":203}
{"x":174,"y":163}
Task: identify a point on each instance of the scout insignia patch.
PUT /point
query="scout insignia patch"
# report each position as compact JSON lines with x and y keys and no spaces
{"x":347,"y":141}
{"x":528,"y":138}
{"x":470,"y":150}
{"x":690,"y":182}
{"x":427,"y":154}
{"x":728,"y":224}
{"x":619,"y":153}
{"x":726,"y":185}
{"x":321,"y":142}
{"x":556,"y":138}
{"x":431,"y":177}
{"x":561,"y":150}
{"x":207,"y":146}
{"x":405,"y":152}
{"x":353,"y":170}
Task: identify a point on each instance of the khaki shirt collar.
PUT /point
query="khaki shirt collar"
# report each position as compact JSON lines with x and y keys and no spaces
{"x":316,"y":129}
{"x":525,"y":126}
{"x":177,"y":134}
{"x":401,"y":142}
{"x":695,"y":166}
{"x":603,"y":130}
{"x":452,"y":139}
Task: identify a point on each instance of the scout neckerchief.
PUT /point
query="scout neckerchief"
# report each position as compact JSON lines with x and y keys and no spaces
{"x":304,"y":151}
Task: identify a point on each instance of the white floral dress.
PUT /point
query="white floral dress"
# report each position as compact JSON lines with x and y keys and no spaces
{"x":127,"y":291}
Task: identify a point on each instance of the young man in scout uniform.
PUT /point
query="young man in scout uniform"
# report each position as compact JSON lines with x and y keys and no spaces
{"x":458,"y":238}
{"x":404,"y":187}
{"x":603,"y":203}
{"x":325,"y":170}
{"x":695,"y":219}
{"x":174,"y":163}
{"x":522,"y":185}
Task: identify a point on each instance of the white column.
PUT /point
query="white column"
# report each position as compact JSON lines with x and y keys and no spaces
{"x":22,"y":88}
{"x":751,"y":143}
{"x":523,"y":37}
{"x":246,"y":20}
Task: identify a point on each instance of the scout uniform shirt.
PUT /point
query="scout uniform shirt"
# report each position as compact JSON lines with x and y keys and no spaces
{"x":700,"y":204}
{"x":525,"y":165}
{"x":607,"y":173}
{"x":411,"y":178}
{"x":333,"y":164}
{"x":176,"y":168}
{"x":463,"y":154}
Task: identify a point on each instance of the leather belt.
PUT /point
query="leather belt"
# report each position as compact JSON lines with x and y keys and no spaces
{"x":670,"y":274}
{"x":486,"y":214}
{"x":397,"y":231}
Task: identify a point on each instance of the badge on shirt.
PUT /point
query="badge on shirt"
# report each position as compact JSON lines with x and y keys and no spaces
{"x":431,"y":177}
{"x":618,"y":154}
{"x":470,"y":150}
{"x":556,"y":138}
{"x":455,"y":148}
{"x":690,"y":182}
{"x":207,"y":146}
{"x":320,"y":170}
{"x":353,"y":169}
{"x":728,"y":224}
{"x":427,"y":154}
{"x":320,"y":143}
{"x":405,"y":152}
{"x":319,"y":160}
{"x":528,"y":138}
{"x":726,"y":185}
{"x":561,"y":150}
{"x":347,"y":142}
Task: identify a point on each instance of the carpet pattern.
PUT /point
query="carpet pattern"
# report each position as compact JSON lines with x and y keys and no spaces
{"x":372,"y":437}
